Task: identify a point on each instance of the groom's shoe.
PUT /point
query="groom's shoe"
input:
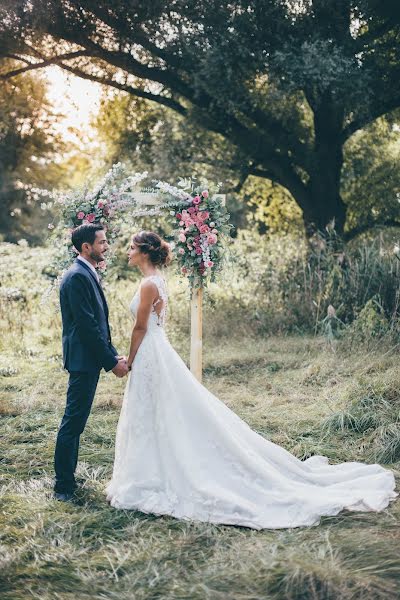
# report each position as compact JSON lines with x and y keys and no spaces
{"x":64,"y":496}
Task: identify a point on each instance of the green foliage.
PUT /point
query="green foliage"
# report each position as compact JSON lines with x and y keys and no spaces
{"x":152,"y":138}
{"x":28,"y":145}
{"x":371,"y":322}
{"x":370,"y":179}
{"x":286,"y":285}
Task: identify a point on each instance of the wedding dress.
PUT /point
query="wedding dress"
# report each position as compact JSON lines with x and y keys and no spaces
{"x":181,"y":452}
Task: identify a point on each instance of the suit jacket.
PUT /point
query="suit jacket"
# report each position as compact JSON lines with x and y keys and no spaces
{"x":86,"y":337}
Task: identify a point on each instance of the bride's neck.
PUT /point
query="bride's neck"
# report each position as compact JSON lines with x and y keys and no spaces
{"x":148,"y":270}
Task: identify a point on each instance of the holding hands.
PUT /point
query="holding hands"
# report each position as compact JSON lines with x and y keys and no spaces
{"x":121,"y":368}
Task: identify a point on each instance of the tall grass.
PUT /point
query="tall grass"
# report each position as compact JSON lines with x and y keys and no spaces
{"x":288,"y":286}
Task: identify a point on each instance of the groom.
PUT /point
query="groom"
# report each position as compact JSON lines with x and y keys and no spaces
{"x":87,"y":349}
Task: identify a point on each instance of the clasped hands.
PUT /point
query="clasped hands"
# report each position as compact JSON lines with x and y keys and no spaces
{"x":121,"y":369}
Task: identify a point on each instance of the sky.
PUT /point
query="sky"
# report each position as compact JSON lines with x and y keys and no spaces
{"x":77,"y":99}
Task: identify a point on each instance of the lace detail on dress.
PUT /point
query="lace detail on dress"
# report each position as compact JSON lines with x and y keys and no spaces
{"x":159,"y":281}
{"x":157,"y":318}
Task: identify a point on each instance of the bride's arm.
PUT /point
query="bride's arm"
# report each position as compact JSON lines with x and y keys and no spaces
{"x":148,"y":294}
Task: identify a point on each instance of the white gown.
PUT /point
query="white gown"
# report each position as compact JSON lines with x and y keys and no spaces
{"x":181,"y":452}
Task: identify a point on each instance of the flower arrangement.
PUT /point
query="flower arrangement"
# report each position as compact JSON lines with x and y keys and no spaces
{"x":104,"y":204}
{"x":199,"y":219}
{"x":201,"y":228}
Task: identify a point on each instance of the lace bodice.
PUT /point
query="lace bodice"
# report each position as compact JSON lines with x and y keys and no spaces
{"x":159,"y":308}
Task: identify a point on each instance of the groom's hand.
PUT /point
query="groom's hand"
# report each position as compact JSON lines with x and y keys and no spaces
{"x":121,"y":368}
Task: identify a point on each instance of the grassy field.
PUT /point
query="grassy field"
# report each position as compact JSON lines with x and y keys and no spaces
{"x":293,"y":390}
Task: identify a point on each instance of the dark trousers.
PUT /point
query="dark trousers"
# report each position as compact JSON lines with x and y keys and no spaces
{"x":80,"y":394}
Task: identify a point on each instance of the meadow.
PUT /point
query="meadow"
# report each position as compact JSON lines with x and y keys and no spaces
{"x":331,"y":388}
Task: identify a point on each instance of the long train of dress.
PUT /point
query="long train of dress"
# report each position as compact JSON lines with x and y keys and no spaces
{"x":182,"y":452}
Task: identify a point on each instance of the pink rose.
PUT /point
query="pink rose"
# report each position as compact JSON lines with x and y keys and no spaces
{"x":80,"y":215}
{"x":209,"y":264}
{"x":179,"y":216}
{"x":198,"y":251}
{"x":214,"y":231}
{"x":102,"y":265}
{"x":181,"y":251}
{"x":204,"y":229}
{"x":184,"y":270}
{"x":182,"y":237}
{"x":184,"y":213}
{"x":212,"y":238}
{"x":191,"y":210}
{"x":196,"y":200}
{"x":100,"y":204}
{"x":91,"y":217}
{"x":181,"y":223}
{"x":204,"y":194}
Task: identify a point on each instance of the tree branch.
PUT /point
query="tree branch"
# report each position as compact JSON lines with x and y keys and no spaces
{"x":361,"y":122}
{"x":119,"y":25}
{"x":163,"y":100}
{"x":57,"y":60}
{"x":352,"y":233}
{"x":40,"y":65}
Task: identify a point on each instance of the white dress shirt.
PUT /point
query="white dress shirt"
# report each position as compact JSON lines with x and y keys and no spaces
{"x":89,"y":265}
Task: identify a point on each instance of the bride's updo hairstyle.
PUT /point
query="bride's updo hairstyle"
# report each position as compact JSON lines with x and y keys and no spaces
{"x":152,"y":244}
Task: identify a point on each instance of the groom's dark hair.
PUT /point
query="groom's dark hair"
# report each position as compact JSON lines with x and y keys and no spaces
{"x":85,"y":233}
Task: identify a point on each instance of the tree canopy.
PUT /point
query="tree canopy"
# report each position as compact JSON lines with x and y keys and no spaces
{"x":285,"y":82}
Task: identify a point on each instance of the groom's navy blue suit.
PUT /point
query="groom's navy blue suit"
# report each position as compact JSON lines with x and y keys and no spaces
{"x":87,"y":349}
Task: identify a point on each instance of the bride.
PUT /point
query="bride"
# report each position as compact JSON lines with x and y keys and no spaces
{"x":181,"y":452}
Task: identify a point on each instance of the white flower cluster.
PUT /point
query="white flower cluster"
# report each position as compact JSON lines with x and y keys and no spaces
{"x":173,"y":191}
{"x":205,"y":248}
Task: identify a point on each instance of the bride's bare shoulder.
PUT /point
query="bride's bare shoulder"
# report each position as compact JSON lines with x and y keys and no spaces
{"x":148,"y":286}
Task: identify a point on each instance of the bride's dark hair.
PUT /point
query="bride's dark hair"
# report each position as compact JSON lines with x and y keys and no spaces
{"x":152,"y":244}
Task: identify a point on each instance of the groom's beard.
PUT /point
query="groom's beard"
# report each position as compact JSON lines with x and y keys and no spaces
{"x":97,"y":257}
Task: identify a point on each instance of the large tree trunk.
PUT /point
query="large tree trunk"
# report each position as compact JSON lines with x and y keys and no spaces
{"x":325,"y":205}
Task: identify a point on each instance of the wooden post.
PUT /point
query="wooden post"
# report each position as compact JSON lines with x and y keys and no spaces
{"x":196,"y":333}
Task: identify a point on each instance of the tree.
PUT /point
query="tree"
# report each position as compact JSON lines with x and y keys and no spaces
{"x":28,"y":145}
{"x":285,"y":82}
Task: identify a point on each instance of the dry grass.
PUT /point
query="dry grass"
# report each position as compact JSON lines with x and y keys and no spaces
{"x":290,"y":390}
